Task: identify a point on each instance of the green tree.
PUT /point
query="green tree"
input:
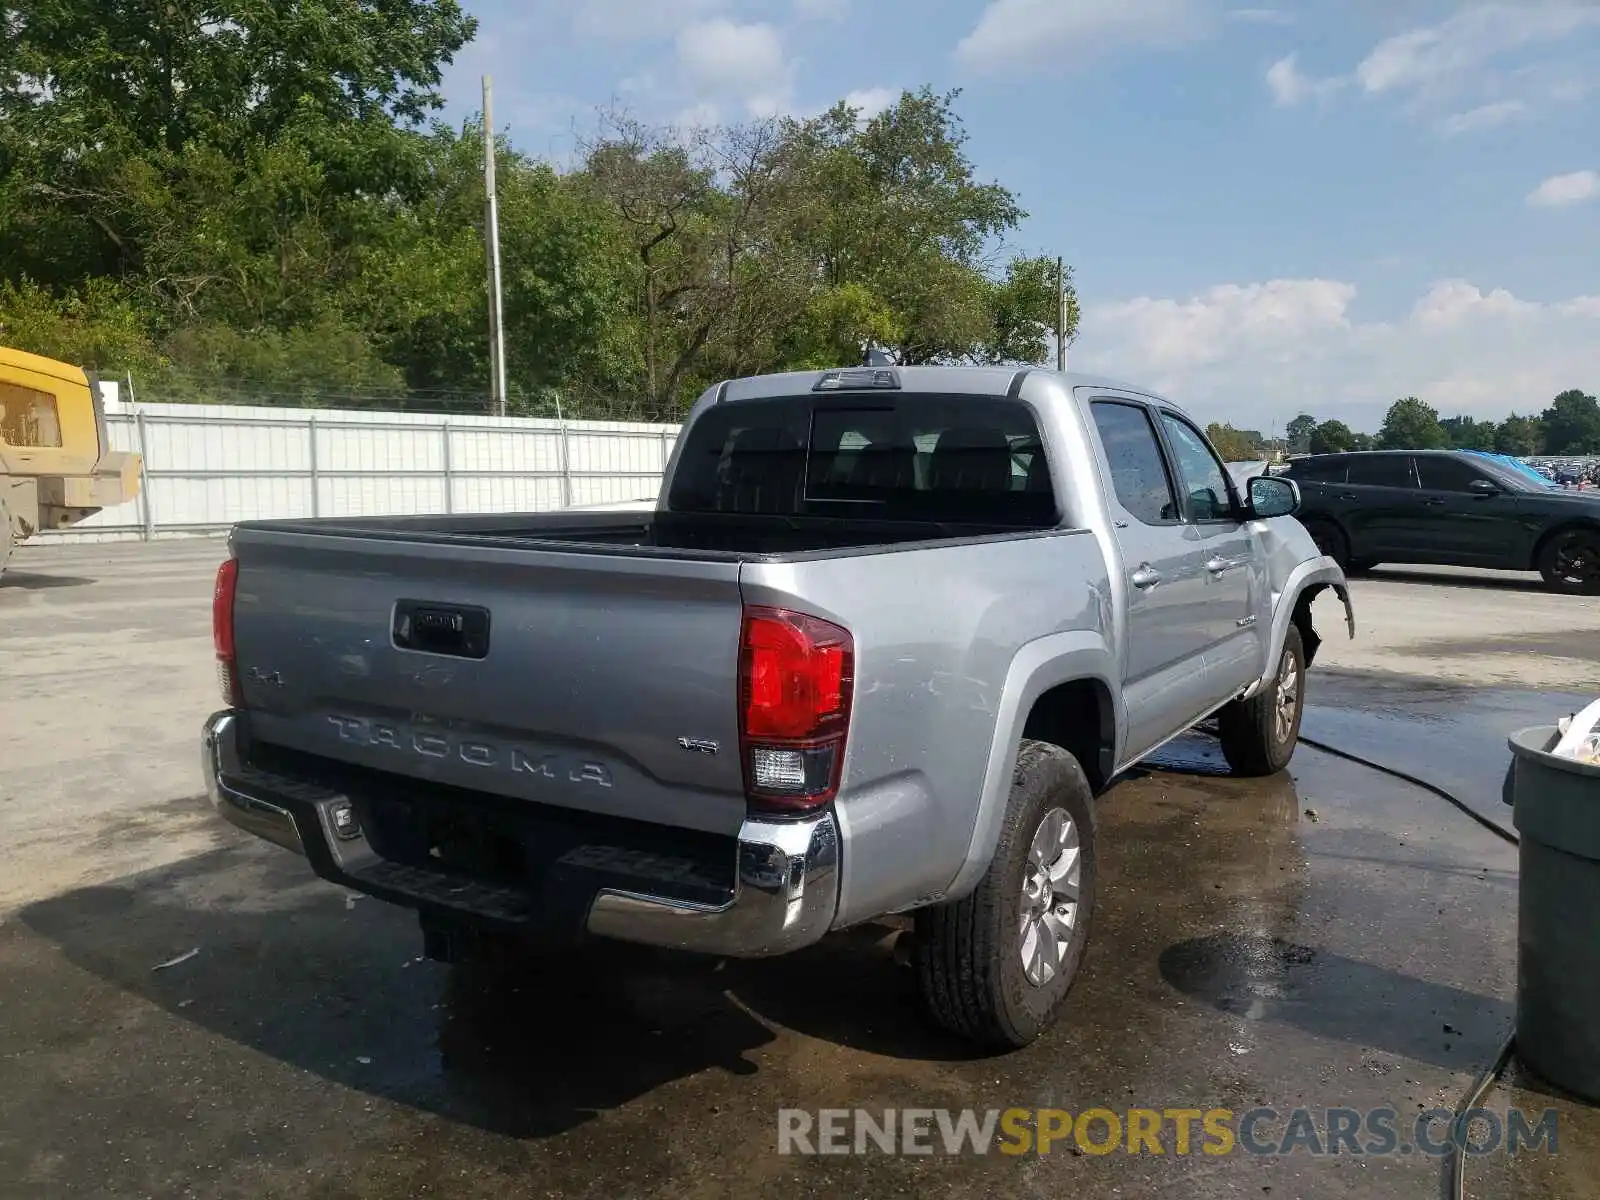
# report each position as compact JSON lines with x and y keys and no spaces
{"x":1411,"y":425}
{"x":1332,"y":437}
{"x":1519,"y":436}
{"x":97,"y":327}
{"x":1235,"y":445}
{"x":1361,"y":441}
{"x":1465,"y":433}
{"x":1025,"y":310}
{"x":92,"y":89}
{"x":1572,"y":424}
{"x":1298,"y":433}
{"x":894,"y":205}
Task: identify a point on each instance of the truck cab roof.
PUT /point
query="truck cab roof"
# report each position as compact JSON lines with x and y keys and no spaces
{"x":941,"y":380}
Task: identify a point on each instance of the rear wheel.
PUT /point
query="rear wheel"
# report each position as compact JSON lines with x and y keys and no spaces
{"x":1570,"y":562}
{"x":1259,"y":735}
{"x":996,"y":966}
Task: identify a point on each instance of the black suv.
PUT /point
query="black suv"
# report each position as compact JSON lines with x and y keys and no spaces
{"x":1449,"y":508}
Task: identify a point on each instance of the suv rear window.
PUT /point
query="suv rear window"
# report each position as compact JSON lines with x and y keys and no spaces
{"x":947,"y":459}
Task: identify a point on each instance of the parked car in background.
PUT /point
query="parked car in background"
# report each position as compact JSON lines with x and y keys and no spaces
{"x":884,"y":637}
{"x":1448,"y":508}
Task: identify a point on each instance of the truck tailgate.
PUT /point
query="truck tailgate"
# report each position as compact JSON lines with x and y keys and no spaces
{"x":595,"y":681}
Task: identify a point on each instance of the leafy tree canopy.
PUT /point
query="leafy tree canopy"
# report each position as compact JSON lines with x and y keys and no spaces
{"x":253,"y":195}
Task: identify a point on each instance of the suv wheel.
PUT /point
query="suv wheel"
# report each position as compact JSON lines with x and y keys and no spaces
{"x":996,"y":966}
{"x":1331,"y":541}
{"x":1259,"y":735}
{"x":1570,"y":562}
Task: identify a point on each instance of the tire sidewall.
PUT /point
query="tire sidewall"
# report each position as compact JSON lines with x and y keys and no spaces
{"x":1547,"y":563}
{"x":1282,"y":752}
{"x":1053,"y":779}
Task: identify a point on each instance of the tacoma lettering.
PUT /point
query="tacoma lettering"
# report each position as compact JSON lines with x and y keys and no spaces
{"x":473,"y":753}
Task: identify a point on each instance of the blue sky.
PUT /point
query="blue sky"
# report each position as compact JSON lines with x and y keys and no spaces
{"x":1317,"y":205}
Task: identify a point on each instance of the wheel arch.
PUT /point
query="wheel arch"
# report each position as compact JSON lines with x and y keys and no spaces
{"x":1059,"y":689}
{"x":1292,"y":606}
{"x":1566,"y":525}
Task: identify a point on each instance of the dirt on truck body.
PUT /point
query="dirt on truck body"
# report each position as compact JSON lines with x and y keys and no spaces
{"x":57,"y":467}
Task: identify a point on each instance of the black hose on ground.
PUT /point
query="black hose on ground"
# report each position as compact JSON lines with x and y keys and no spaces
{"x":1504,"y":834}
{"x":1480,"y":1088}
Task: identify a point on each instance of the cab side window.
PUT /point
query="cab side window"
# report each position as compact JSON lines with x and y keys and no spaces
{"x":28,"y":416}
{"x":1138,"y":467}
{"x":1205,"y":480}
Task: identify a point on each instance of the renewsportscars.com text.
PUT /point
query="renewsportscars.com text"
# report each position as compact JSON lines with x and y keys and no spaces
{"x":1176,"y":1131}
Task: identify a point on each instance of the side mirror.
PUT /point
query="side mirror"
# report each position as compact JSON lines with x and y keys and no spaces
{"x":1273,"y":496}
{"x":1483,"y":487}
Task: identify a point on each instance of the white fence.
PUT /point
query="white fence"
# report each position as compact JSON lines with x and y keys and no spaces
{"x":207,"y":466}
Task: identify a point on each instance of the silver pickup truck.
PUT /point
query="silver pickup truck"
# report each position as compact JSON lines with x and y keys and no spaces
{"x":882,"y":640}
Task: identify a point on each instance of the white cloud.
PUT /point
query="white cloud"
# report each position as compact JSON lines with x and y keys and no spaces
{"x":1261,"y":16}
{"x":1575,"y":187}
{"x":1256,"y":354}
{"x":1456,"y":74}
{"x":1452,"y":303}
{"x":872,"y":101}
{"x":1485,"y":116}
{"x":746,"y":64}
{"x":1013,"y":34}
{"x":1290,"y":86}
{"x":1216,"y":326}
{"x":1454,"y":54}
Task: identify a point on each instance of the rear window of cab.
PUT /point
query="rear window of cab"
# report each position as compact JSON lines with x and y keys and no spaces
{"x":945,"y":459}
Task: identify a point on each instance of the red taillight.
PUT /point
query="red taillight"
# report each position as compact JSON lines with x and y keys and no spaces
{"x":796,"y":675}
{"x":222,"y":629}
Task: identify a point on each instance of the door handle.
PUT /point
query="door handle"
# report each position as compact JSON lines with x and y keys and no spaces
{"x":1218,"y":566}
{"x":1348,"y":496}
{"x":1434,"y":502}
{"x":1145,"y":577}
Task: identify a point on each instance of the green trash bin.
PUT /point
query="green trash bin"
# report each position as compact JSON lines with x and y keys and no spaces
{"x":1556,"y":809}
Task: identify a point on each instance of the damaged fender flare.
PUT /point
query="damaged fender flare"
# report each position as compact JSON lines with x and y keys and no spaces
{"x":1293,"y":604}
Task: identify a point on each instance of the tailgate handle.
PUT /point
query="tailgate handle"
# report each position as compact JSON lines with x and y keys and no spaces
{"x":458,"y":630}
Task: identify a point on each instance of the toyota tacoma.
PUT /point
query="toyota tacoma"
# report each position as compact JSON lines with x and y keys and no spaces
{"x":884,"y":637}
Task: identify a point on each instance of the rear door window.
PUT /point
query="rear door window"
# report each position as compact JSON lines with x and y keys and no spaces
{"x":1382,"y":470}
{"x":1138,"y":468}
{"x":947,"y":459}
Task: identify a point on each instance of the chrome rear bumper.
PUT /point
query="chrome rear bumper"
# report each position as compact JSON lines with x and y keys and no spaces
{"x":785,"y":895}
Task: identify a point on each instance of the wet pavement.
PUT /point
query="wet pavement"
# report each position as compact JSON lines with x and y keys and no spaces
{"x":1323,"y":938}
{"x":1446,"y":733}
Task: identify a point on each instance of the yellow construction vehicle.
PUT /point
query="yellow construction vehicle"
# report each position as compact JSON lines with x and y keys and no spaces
{"x":56,"y":464}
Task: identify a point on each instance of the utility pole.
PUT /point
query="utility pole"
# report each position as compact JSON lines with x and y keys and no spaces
{"x":491,"y":236}
{"x":1061,"y":315}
